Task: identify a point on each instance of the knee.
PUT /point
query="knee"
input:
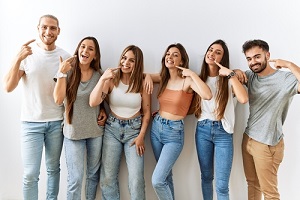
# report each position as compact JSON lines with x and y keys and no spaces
{"x":207,"y":176}
{"x":157,"y":182}
{"x":29,"y":178}
{"x":222,"y":187}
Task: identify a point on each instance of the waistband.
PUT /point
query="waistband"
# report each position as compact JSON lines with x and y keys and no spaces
{"x":166,"y":121}
{"x":112,"y":118}
{"x":205,"y":121}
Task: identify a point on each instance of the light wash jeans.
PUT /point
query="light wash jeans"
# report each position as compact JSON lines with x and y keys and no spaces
{"x":34,"y":135}
{"x":215,"y":153}
{"x":167,"y":138}
{"x":118,"y":135}
{"x":75,"y":151}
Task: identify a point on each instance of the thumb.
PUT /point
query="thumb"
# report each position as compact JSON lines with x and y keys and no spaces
{"x":60,"y":59}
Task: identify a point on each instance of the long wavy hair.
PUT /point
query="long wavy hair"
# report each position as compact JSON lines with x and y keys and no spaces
{"x":222,"y":84}
{"x":164,"y":73}
{"x":75,"y":77}
{"x":136,"y":77}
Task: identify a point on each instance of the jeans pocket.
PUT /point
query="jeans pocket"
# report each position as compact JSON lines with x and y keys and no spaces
{"x":136,"y":124}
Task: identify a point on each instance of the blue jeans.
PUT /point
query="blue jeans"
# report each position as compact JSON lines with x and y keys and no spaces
{"x":75,"y":151}
{"x":34,"y":135}
{"x":118,"y":136}
{"x":167,"y":138}
{"x":215,"y":153}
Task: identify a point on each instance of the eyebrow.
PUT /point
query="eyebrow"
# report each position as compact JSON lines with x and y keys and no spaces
{"x":254,"y":55}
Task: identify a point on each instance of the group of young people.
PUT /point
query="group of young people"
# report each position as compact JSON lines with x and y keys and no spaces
{"x":63,"y":104}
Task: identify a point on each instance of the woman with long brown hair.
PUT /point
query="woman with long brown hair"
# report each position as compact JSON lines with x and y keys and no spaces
{"x":216,"y":120}
{"x":177,"y":85}
{"x":76,"y":79}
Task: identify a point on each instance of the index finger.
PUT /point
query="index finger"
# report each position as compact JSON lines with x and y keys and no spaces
{"x":180,"y":67}
{"x":114,"y":69}
{"x":272,"y":60}
{"x":71,"y":58}
{"x":27,"y":43}
{"x":218,"y":64}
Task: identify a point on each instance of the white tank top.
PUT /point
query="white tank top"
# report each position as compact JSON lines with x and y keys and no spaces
{"x":124,"y":104}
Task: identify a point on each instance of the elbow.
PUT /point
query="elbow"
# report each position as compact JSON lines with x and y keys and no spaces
{"x":207,"y":96}
{"x":93,"y":103}
{"x":243,"y":100}
{"x":7,"y":88}
{"x":58,"y":101}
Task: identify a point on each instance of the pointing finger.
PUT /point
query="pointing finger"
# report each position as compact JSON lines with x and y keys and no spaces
{"x":180,"y":67}
{"x":114,"y":69}
{"x":218,"y":64}
{"x":71,"y":58}
{"x":272,"y":60}
{"x":27,"y":43}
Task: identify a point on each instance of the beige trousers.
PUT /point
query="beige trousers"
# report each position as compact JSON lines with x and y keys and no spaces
{"x":261,"y":163}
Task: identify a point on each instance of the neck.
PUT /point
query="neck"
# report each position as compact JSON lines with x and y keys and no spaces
{"x":213,"y":70}
{"x":125,"y":78}
{"x":267,"y":71}
{"x":50,"y":47}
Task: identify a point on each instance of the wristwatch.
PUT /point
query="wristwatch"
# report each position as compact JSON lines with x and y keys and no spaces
{"x":61,"y":75}
{"x":231,"y":74}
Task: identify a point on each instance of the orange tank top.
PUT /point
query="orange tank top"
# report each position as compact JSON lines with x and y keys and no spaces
{"x":176,"y":102}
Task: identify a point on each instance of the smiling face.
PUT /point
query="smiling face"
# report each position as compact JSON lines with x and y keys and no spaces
{"x":173,"y":58}
{"x":257,"y":59}
{"x":127,"y":62}
{"x":86,"y":52}
{"x":214,"y":53}
{"x":48,"y":31}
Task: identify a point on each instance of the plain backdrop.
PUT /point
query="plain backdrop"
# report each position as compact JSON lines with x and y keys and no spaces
{"x":153,"y":25}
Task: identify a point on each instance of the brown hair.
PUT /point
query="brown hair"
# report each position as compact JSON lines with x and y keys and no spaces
{"x":75,"y":77}
{"x":222,"y":85}
{"x":164,"y":73}
{"x":136,"y":77}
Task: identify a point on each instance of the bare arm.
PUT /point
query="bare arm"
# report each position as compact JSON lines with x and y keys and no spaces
{"x":146,"y":110}
{"x":199,"y":86}
{"x":12,"y":78}
{"x":60,"y":89}
{"x":237,"y":87}
{"x":101,"y":89}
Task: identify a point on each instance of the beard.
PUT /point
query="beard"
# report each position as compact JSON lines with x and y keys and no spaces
{"x":262,"y":66}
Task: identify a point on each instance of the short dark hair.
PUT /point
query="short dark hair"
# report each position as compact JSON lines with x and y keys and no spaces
{"x":255,"y":43}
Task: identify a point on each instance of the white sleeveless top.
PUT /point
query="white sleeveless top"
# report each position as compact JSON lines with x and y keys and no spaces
{"x":208,"y":106}
{"x":124,"y":104}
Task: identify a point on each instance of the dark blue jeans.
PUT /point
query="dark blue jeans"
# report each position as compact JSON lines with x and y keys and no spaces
{"x":215,"y":154}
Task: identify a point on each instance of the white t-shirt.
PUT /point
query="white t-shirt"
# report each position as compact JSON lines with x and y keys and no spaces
{"x":208,"y":106}
{"x":37,"y":102}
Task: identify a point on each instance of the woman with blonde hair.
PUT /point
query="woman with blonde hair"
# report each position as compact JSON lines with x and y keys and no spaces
{"x":126,"y":125}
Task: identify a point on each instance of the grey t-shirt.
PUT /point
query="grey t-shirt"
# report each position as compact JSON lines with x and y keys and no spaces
{"x":269,"y":99}
{"x":84,"y":122}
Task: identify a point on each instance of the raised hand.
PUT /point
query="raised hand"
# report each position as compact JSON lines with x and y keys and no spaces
{"x":278,"y":63}
{"x":223,"y":71}
{"x":25,"y":50}
{"x":66,"y":65}
{"x":109,"y":73}
{"x":185,"y":71}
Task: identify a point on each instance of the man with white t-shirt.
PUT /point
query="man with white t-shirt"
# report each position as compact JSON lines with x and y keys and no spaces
{"x":41,"y":118}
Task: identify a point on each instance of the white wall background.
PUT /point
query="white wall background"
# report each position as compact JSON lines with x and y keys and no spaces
{"x":153,"y":25}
